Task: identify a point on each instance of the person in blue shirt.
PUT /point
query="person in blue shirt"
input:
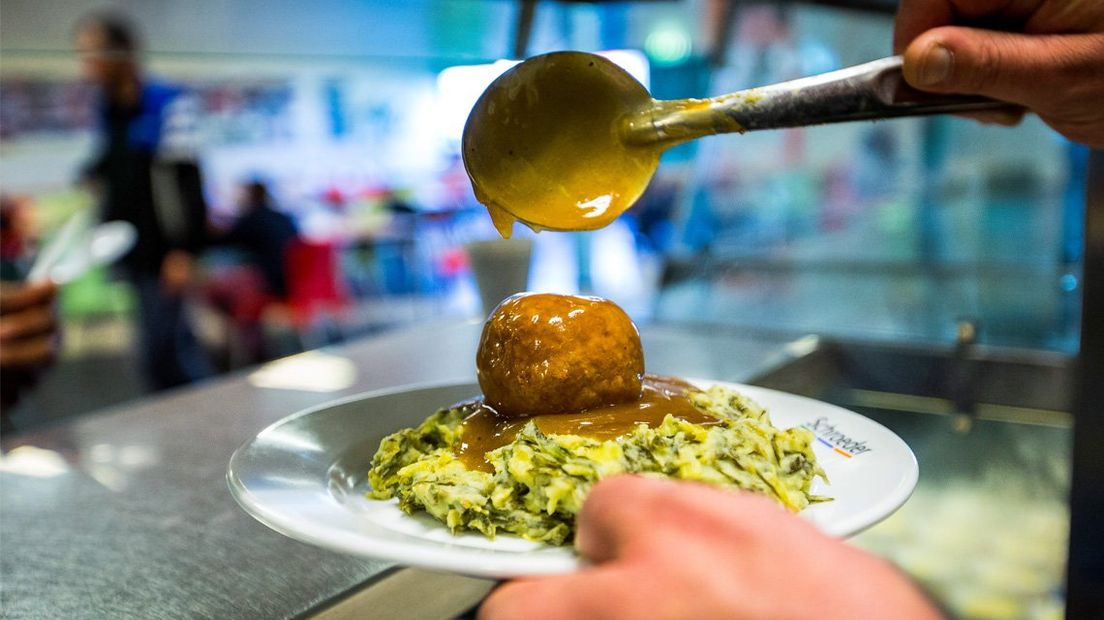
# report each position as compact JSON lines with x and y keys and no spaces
{"x":145,"y":175}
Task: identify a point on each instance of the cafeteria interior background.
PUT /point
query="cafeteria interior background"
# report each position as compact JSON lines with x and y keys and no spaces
{"x":895,"y":232}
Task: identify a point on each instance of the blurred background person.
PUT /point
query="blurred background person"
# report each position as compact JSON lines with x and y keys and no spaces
{"x":256,"y":284}
{"x":141,"y":180}
{"x":264,"y":234}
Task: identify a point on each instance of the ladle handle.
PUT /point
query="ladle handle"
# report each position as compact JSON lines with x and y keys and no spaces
{"x":869,"y":91}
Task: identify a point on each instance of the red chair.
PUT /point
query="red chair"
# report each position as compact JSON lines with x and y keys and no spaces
{"x":237,"y":293}
{"x":312,"y":310}
{"x":316,"y":290}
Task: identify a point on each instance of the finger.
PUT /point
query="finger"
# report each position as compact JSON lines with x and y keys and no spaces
{"x":634,"y":516}
{"x":915,"y":17}
{"x":615,"y":510}
{"x":27,"y":324}
{"x":23,"y":353}
{"x":26,"y":296}
{"x":1025,"y":69}
{"x":591,"y":593}
{"x":1006,"y":118}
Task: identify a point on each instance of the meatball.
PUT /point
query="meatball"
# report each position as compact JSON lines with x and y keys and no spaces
{"x":543,"y":353}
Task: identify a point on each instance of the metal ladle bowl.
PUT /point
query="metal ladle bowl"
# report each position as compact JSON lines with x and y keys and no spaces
{"x":569,"y":140}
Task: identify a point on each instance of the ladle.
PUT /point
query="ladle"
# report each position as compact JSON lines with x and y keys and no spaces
{"x":569,"y":140}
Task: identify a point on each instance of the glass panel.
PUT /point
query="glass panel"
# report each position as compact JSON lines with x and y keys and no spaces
{"x":889,"y":230}
{"x":986,"y":529}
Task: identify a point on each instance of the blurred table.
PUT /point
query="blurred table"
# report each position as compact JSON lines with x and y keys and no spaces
{"x":126,"y":513}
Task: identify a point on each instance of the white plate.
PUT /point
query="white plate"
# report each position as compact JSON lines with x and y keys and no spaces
{"x":305,"y":477}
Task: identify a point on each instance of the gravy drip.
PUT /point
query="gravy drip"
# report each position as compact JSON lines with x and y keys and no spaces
{"x":484,"y":430}
{"x":543,"y":144}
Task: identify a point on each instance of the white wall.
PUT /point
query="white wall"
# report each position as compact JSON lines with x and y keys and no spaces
{"x":334,"y":28}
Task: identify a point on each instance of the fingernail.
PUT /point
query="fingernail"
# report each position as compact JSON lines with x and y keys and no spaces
{"x":937,"y":66}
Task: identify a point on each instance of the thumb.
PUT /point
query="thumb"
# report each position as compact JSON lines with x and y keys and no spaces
{"x":1025,"y":69}
{"x":614,"y":510}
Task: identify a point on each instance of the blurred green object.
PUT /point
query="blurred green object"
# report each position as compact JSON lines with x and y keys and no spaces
{"x":95,"y":294}
{"x":54,"y":207}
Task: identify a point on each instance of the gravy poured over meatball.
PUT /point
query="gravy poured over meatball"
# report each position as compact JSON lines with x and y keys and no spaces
{"x":574,"y":365}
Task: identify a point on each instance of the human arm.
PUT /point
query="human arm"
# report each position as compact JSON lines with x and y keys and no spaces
{"x":178,"y":190}
{"x":177,"y":271}
{"x":666,"y":549}
{"x":1046,"y":55}
{"x":28,"y":331}
{"x":183,"y":219}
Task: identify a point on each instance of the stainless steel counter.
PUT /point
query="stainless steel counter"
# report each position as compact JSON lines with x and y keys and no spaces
{"x":126,"y":513}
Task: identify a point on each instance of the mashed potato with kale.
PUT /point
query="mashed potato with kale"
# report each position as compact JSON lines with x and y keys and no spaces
{"x":539,"y":481}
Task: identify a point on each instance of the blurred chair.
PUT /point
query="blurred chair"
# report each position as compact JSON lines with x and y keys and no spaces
{"x":238,"y":294}
{"x":317,"y":297}
{"x":313,"y":311}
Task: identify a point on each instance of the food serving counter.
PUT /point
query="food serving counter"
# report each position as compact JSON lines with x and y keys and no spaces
{"x":126,"y":513}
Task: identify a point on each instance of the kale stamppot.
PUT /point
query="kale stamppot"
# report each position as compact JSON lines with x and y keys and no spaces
{"x":540,"y":481}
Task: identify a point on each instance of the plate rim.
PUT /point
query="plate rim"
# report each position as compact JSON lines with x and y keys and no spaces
{"x":889,"y":504}
{"x":492,"y":563}
{"x":463,"y":560}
